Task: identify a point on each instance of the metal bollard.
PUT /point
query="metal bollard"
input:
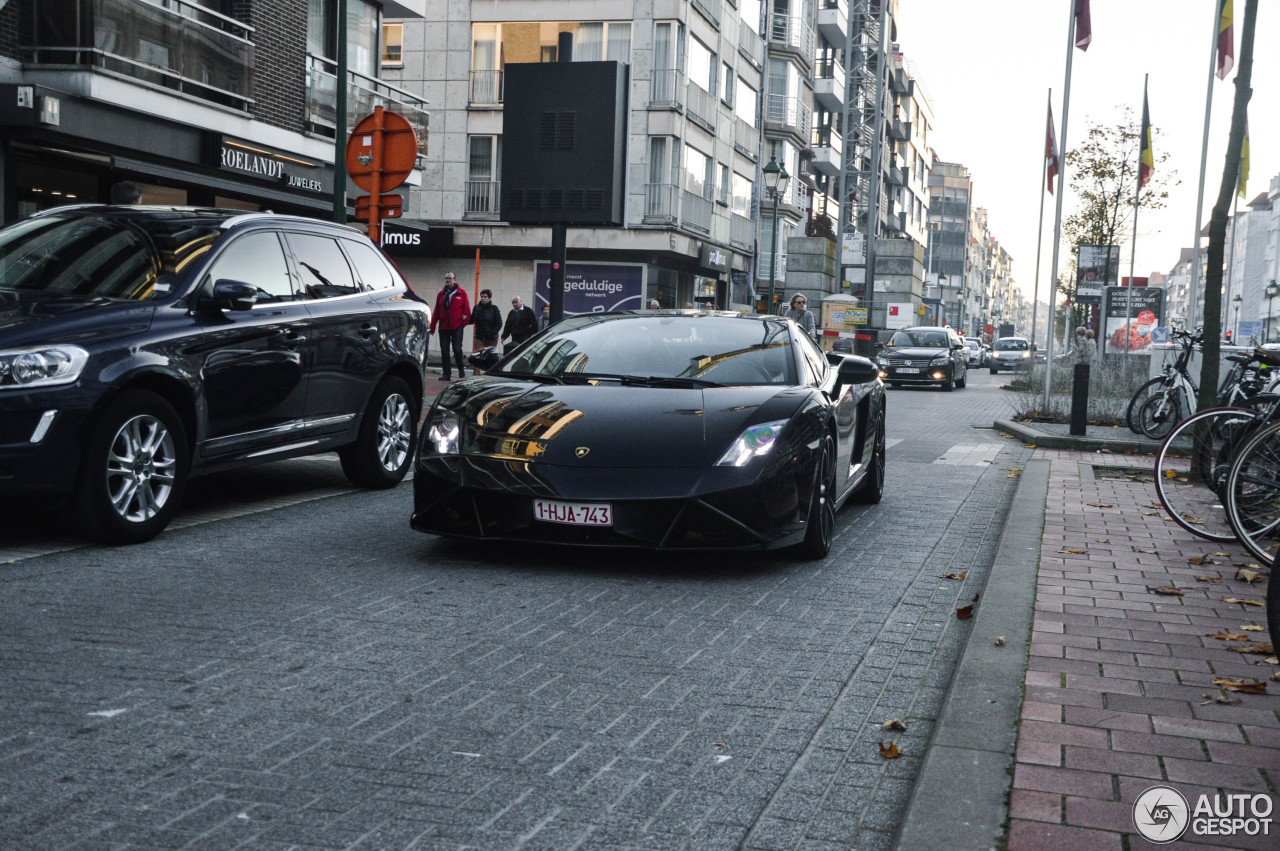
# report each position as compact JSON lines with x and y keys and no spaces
{"x":1080,"y":399}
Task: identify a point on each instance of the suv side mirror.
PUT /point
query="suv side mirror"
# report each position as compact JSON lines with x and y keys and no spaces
{"x":234,"y":295}
{"x":856,"y":370}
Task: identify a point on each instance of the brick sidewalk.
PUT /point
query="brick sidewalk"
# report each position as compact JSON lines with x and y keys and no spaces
{"x":1119,"y":693}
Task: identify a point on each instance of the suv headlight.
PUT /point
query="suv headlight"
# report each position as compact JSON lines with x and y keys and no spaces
{"x":41,"y":366}
{"x":940,"y":360}
{"x":757,"y":440}
{"x":443,"y":431}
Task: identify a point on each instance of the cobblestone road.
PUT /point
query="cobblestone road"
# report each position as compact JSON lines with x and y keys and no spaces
{"x":317,"y":675}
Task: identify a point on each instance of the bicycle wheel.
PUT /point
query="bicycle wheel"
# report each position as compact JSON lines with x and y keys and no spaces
{"x":1159,"y":414}
{"x":1252,"y":493}
{"x":1192,"y":465}
{"x":1143,"y":394}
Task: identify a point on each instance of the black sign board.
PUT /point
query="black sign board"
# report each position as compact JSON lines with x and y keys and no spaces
{"x":249,"y":159}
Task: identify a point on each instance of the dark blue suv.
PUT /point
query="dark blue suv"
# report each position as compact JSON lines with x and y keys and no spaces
{"x":140,"y":346}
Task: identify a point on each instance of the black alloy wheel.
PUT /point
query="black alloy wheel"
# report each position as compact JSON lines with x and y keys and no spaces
{"x":871,"y":491}
{"x":134,"y":471}
{"x":821,"y":524}
{"x":382,"y":453}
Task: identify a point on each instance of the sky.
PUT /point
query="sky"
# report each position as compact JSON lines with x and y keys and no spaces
{"x":988,"y":66}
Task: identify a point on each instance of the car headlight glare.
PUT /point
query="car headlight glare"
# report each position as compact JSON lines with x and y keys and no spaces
{"x":43,"y":366}
{"x":443,"y":431}
{"x":755,"y":441}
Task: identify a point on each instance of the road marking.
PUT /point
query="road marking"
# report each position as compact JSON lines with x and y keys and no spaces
{"x":970,"y":454}
{"x":892,"y":442}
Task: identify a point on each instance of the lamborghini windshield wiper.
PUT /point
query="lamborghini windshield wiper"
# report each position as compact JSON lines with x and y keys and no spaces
{"x":667,"y":380}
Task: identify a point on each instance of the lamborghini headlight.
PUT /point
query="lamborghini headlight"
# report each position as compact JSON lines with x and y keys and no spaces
{"x":757,"y":440}
{"x":443,"y":431}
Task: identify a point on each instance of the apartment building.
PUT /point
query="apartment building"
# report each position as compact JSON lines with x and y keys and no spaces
{"x":208,"y":102}
{"x":950,"y":208}
{"x":695,"y":75}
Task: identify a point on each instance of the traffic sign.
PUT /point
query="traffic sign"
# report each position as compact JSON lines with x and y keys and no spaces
{"x":988,"y":328}
{"x":389,"y":206}
{"x":382,"y":145}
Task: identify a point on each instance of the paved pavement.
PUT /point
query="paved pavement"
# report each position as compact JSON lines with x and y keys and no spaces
{"x":316,"y":675}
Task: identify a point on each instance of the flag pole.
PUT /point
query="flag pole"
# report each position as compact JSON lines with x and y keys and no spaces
{"x":1194,"y":290}
{"x":1144,"y":129}
{"x":1057,"y":218}
{"x":1231,"y":257}
{"x":1044,"y":170}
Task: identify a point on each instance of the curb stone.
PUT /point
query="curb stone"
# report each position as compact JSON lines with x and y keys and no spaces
{"x":1028,"y":433}
{"x":960,"y":796}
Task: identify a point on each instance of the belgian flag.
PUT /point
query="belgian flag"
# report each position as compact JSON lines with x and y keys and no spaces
{"x":1146,"y":160}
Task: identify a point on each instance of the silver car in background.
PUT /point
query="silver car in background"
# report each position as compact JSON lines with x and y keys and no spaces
{"x":1010,"y":353}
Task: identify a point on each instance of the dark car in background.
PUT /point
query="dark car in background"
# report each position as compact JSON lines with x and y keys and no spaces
{"x":926,"y":354}
{"x":141,"y":346}
{"x":656,"y":429}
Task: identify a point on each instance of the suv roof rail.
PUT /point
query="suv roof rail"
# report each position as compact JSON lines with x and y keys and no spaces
{"x":267,"y":214}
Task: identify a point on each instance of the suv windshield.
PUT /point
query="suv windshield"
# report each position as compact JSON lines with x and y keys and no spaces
{"x":925,"y":338}
{"x":100,"y":256}
{"x":1011,"y":345}
{"x":708,"y":349}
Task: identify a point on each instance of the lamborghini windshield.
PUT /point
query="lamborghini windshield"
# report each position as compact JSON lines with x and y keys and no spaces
{"x":657,"y":348}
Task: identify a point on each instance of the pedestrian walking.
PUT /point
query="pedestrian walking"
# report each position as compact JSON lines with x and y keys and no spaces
{"x":1090,"y":348}
{"x":451,"y":317}
{"x":487,"y":319}
{"x":801,"y":315}
{"x":653,"y":304}
{"x":522,"y":322}
{"x":544,"y":321}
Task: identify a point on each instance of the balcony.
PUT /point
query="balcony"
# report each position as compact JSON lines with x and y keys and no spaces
{"x":897,"y":176}
{"x":751,"y":45}
{"x":829,"y":85}
{"x":833,"y":18}
{"x":660,"y":203}
{"x":696,"y":212}
{"x":900,"y":130}
{"x":709,"y":9}
{"x":828,"y":151}
{"x":788,"y":113}
{"x":746,"y":140}
{"x":182,"y":47}
{"x":701,"y":106}
{"x":363,"y":94}
{"x":482,"y":199}
{"x":666,"y":88}
{"x":898,"y":81}
{"x":793,"y":33}
{"x":742,"y":232}
{"x":486,"y":88}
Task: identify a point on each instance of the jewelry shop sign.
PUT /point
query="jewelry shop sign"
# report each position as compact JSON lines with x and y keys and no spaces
{"x":252,"y":160}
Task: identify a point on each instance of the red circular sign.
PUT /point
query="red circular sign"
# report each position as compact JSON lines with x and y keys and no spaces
{"x":1146,"y":317}
{"x":381,"y":143}
{"x":988,"y":329}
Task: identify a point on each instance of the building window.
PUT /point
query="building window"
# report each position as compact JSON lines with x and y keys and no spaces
{"x":495,"y":45}
{"x":392,"y":45}
{"x":699,"y":179}
{"x":703,"y":66}
{"x":723,"y":195}
{"x":363,"y":28}
{"x":746,"y":102}
{"x":728,"y":90}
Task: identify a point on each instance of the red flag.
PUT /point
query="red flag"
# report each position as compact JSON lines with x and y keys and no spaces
{"x":1226,"y":41}
{"x":1051,"y":153}
{"x":1084,"y":29}
{"x":1146,"y":158}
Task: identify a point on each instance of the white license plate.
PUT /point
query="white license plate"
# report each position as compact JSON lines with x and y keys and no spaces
{"x":573,"y":513}
{"x":907,"y":369}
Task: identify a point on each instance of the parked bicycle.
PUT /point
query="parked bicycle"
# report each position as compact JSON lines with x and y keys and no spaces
{"x":1174,"y":374}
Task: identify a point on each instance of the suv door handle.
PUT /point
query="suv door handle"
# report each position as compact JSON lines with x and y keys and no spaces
{"x":292,"y":339}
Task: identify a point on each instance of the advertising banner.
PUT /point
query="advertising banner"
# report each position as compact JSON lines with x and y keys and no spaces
{"x":593,"y":287}
{"x":899,"y":314}
{"x":1132,"y":314}
{"x":1097,"y":266}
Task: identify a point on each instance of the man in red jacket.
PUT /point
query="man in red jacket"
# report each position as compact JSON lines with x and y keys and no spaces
{"x":452,"y":315}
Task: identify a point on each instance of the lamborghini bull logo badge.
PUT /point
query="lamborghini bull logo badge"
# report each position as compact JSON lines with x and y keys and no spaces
{"x":582,"y":451}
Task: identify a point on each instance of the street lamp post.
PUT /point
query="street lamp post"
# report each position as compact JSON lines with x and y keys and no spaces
{"x":1270,"y":292}
{"x":1235,"y":336}
{"x":940,"y":309}
{"x":775,"y":183}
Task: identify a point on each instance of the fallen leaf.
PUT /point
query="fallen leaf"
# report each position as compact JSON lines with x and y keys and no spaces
{"x":1155,"y":505}
{"x":894,"y":724}
{"x":1271,"y":661}
{"x":1148,"y":552}
{"x":1226,"y":636}
{"x":1195,"y":521}
{"x":1029,"y":445}
{"x":1102,"y":505}
{"x":1103,"y":541}
{"x":953,"y":575}
{"x":1221,"y":698}
{"x":1073,"y":550}
{"x":1224,"y":555}
{"x":1258,"y":603}
{"x":1276,"y":675}
{"x":719,"y":744}
{"x":965,"y":612}
{"x":1151,"y":514}
{"x":1167,"y":590}
{"x":1253,"y":627}
{"x":1196,"y":560}
{"x":1012,"y":476}
{"x":1241,"y":686}
{"x":975,"y":597}
{"x":890,"y":752}
{"x":1000,"y":641}
{"x":1262,"y":648}
{"x":1171,"y":474}
{"x":1213,"y":579}
{"x":1012,"y":469}
{"x":1249,"y":576}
